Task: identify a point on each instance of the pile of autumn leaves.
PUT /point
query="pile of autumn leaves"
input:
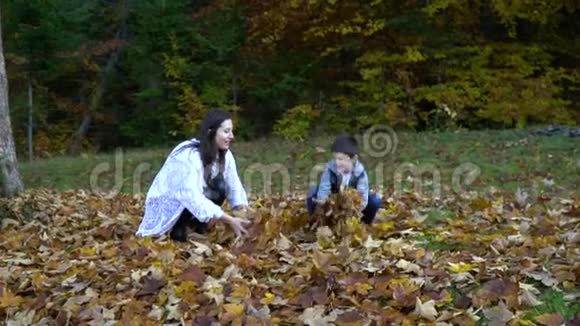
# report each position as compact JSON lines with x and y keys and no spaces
{"x":72,"y":258}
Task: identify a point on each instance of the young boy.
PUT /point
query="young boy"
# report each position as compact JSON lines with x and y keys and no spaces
{"x":343,"y":171}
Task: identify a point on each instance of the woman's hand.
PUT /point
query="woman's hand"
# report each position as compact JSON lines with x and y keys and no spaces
{"x":242,"y":211}
{"x":237,"y":224}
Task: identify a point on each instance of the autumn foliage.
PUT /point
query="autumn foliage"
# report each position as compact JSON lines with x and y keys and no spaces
{"x":144,"y":72}
{"x":73,"y":258}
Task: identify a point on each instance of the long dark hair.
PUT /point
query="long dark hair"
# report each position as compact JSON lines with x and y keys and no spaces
{"x":208,"y":149}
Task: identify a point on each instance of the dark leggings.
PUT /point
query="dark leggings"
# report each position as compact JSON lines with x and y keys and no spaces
{"x":186,"y":219}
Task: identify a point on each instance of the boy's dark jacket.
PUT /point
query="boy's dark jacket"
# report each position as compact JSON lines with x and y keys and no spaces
{"x":331,"y":180}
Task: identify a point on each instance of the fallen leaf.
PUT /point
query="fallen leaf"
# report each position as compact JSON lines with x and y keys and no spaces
{"x":350,"y":318}
{"x":315,"y":316}
{"x":544,"y":277}
{"x":498,"y":315}
{"x":202,"y":249}
{"x":261,"y":314}
{"x":528,"y":296}
{"x":425,"y":310}
{"x":460,"y":268}
{"x":21,"y":318}
{"x":151,"y":286}
{"x":192,"y":273}
{"x":497,"y":289}
{"x":8,"y":299}
{"x":19,"y":261}
{"x":234,"y":309}
{"x":156,"y":313}
{"x":370,"y":243}
{"x":554,"y":319}
{"x":408,"y":267}
{"x":283,"y":243}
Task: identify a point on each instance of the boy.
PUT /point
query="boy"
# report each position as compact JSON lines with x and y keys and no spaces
{"x":344,"y":170}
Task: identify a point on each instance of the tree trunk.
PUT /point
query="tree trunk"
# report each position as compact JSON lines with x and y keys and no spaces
{"x":10,"y":181}
{"x":30,"y":126}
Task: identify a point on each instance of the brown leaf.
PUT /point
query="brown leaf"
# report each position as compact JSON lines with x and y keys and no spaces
{"x":204,"y":321}
{"x":350,"y":318}
{"x":554,"y":319}
{"x":575,"y":321}
{"x":151,"y":286}
{"x":497,"y":289}
{"x":499,"y":315}
{"x":245,"y":248}
{"x":40,"y":301}
{"x":304,"y":300}
{"x":63,"y":318}
{"x":141,"y":253}
{"x":133,"y":313}
{"x":316,"y":294}
{"x":323,"y":260}
{"x":192,"y":273}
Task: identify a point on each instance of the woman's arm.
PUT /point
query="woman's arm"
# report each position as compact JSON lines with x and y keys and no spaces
{"x":236,"y":193}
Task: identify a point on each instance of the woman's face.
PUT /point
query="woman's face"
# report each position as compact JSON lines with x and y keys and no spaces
{"x":224,"y":135}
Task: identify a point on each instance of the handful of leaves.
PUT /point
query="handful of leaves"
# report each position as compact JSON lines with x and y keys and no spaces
{"x":338,"y":207}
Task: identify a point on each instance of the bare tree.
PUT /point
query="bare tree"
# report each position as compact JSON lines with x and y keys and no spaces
{"x":10,"y":181}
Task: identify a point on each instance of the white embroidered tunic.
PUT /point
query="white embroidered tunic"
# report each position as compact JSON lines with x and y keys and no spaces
{"x":179,"y":184}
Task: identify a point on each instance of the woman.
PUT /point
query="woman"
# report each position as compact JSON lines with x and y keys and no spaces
{"x":194,"y":182}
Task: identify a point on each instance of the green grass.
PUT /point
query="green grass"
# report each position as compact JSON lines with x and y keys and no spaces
{"x":507,"y":160}
{"x":552,"y":302}
{"x":430,"y":243}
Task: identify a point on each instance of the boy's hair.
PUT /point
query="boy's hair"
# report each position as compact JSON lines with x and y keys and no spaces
{"x":346,"y":144}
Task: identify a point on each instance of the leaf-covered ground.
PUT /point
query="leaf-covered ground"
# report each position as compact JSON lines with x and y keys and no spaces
{"x":493,"y":258}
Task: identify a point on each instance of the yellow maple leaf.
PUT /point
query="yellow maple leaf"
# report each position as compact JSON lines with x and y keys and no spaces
{"x":161,"y":298}
{"x":88,"y":251}
{"x":268,"y":298}
{"x":8,"y":299}
{"x":239,"y":293}
{"x":235,"y":309}
{"x":460,"y":268}
{"x":363,"y":288}
{"x":386,"y":226}
{"x":110,"y":252}
{"x":185,"y":287}
{"x":157,"y":263}
{"x":447,"y":299}
{"x":38,"y":280}
{"x":352,"y":224}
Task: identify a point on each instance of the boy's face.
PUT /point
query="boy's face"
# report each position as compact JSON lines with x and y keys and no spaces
{"x":344,"y":164}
